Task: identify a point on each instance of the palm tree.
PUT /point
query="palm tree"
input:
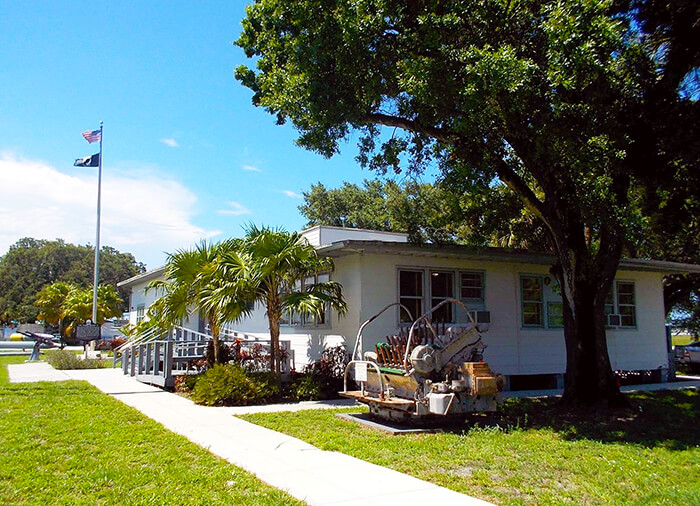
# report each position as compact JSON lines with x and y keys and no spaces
{"x":191,"y":278}
{"x":77,"y":305}
{"x":268,"y":266}
{"x":50,"y":301}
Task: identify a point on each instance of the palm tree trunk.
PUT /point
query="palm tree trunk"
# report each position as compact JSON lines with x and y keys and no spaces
{"x":214,"y":325}
{"x":273,"y":318}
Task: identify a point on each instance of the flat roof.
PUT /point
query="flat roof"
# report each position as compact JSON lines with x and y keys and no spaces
{"x":487,"y":254}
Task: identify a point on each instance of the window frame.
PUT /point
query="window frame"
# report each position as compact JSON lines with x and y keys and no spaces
{"x":293,"y":319}
{"x":551,"y":298}
{"x":420,"y":298}
{"x":612,"y":303}
{"x":426,"y":297}
{"x":540,"y":302}
{"x":482,"y":288}
{"x":140,"y":313}
{"x":434,"y":301}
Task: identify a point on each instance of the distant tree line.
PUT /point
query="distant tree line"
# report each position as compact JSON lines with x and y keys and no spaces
{"x":31,"y":264}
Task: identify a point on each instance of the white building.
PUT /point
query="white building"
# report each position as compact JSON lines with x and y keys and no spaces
{"x":513,"y":291}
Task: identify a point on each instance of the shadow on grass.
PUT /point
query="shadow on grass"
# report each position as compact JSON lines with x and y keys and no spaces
{"x":664,"y":418}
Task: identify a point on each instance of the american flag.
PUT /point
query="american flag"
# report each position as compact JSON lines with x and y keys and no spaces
{"x":92,"y":135}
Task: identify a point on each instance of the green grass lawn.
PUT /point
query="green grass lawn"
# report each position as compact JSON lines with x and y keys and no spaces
{"x":68,"y":443}
{"x":536,"y":454}
{"x":681,"y":339}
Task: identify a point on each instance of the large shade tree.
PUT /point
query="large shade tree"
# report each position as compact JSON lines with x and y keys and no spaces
{"x":270,"y":267}
{"x":576,"y":106}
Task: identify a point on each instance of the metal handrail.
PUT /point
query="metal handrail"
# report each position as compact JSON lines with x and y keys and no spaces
{"x":379,"y":374}
{"x":150,"y":335}
{"x":359,"y":337}
{"x":426,"y":317}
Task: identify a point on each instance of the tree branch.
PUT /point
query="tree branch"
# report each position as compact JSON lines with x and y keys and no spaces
{"x":516,"y":183}
{"x":410,"y":125}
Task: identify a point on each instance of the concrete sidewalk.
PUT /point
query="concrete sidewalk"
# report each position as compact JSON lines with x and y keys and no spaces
{"x":307,"y":473}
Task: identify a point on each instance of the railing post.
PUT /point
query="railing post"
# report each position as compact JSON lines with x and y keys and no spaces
{"x":156,"y":358}
{"x":168,"y":361}
{"x":149,"y":358}
{"x":132,"y":362}
{"x":141,"y":357}
{"x":125,"y":360}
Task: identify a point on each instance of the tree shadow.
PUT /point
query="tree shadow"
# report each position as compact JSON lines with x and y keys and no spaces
{"x":668,"y":419}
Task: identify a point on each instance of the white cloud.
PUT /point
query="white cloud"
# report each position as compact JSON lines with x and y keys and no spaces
{"x":290,"y":193}
{"x":250,"y":168}
{"x":170,"y":142}
{"x":146,"y":215}
{"x":236,"y":209}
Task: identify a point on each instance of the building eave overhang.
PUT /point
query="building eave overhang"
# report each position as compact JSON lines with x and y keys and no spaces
{"x":486,"y":254}
{"x":143,"y":277}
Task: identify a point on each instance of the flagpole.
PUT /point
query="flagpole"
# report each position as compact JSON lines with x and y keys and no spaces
{"x":97,"y":240}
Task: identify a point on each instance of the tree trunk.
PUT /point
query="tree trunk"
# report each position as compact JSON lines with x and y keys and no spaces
{"x":273,"y":318}
{"x":215,"y":330}
{"x":585,"y":280}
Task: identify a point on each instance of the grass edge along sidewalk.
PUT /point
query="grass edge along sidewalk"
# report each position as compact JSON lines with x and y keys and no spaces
{"x":536,"y":454}
{"x":68,"y":443}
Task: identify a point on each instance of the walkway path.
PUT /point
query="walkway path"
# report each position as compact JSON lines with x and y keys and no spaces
{"x":315,"y":476}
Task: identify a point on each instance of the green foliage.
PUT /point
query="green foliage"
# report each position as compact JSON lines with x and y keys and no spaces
{"x":434,"y":213}
{"x":31,"y":264}
{"x":185,"y":384}
{"x":192,"y":285}
{"x":69,"y":305}
{"x":306,"y":387}
{"x":231,"y":385}
{"x":322,"y":379}
{"x":62,"y":359}
{"x":268,"y":266}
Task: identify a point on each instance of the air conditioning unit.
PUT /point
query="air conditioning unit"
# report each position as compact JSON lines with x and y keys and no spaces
{"x":614,"y":320}
{"x":481,"y":316}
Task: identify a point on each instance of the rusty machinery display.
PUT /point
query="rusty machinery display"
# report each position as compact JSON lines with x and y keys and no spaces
{"x":428,"y":370}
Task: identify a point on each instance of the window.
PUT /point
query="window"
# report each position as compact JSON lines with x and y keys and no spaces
{"x":294,"y":319}
{"x":471,"y":286}
{"x":140,"y":313}
{"x":310,"y":320}
{"x":532,"y":301}
{"x":621,"y":300}
{"x":541,"y":304}
{"x":411,"y":294}
{"x":441,"y":288}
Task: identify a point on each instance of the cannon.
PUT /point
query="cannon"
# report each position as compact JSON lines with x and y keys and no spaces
{"x":428,"y":371}
{"x":36,"y":341}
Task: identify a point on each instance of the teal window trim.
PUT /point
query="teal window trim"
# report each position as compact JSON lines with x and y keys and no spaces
{"x":482,"y":287}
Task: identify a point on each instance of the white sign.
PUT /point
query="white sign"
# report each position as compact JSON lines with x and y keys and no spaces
{"x":361,"y":371}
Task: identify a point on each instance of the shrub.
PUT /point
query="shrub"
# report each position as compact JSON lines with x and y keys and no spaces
{"x":61,"y":359}
{"x":225,"y":355}
{"x":117,"y":342}
{"x":305,"y":387}
{"x":185,"y":384}
{"x":322,"y":379}
{"x":231,"y":385}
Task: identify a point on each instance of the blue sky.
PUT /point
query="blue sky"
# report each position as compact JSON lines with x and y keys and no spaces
{"x":186,"y":155}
